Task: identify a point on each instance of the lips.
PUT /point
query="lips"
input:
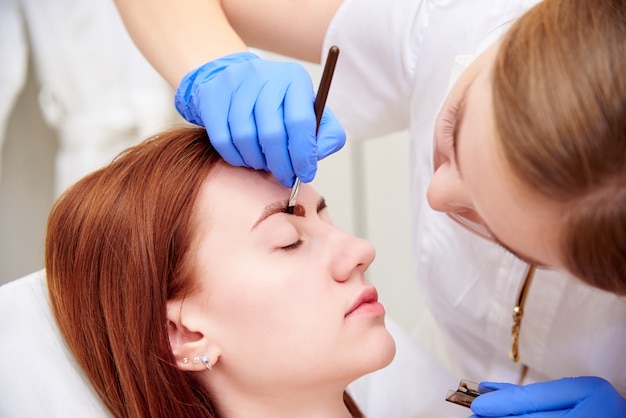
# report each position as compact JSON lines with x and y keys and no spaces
{"x":368,"y":296}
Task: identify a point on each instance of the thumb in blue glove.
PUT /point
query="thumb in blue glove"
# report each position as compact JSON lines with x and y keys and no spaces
{"x":260,"y":114}
{"x":584,"y":397}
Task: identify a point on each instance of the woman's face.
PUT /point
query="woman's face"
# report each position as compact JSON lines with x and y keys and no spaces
{"x":473,"y":182}
{"x":283,"y":296}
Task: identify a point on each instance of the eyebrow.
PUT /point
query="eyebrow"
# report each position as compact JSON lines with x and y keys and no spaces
{"x":460,"y":114}
{"x":281,"y":207}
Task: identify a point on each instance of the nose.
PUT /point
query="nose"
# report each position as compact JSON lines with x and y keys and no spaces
{"x":349,"y":255}
{"x":446,"y":192}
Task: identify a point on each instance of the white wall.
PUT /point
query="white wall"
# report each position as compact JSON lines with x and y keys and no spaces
{"x":26,"y":187}
{"x":365,"y":185}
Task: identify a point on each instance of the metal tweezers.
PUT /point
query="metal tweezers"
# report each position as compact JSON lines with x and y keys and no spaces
{"x":465,"y":393}
{"x":320,"y":102}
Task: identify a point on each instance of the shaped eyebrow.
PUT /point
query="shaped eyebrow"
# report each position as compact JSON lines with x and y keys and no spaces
{"x":281,"y":207}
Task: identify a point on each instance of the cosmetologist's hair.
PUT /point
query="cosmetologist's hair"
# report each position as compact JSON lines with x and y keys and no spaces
{"x":559,"y":96}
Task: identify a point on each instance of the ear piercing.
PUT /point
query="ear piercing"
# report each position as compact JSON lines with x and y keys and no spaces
{"x":196,"y":360}
{"x":206,"y":362}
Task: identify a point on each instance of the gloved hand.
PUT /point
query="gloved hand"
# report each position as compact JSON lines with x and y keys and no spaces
{"x":259,"y":114}
{"x":584,"y":397}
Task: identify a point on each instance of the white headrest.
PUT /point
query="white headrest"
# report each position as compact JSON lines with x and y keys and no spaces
{"x":38,"y":375}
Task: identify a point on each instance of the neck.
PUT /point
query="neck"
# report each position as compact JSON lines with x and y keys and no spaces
{"x":302,"y":405}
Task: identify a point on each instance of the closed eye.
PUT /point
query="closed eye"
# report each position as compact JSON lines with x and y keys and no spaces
{"x":321,"y":205}
{"x":293,"y":246}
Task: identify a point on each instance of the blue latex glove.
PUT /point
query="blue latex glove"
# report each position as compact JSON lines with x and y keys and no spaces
{"x":572,"y":397}
{"x":259,"y":114}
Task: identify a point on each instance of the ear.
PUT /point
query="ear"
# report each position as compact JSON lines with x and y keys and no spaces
{"x":187,"y":340}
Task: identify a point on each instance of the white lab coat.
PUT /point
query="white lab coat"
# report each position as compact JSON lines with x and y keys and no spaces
{"x":398,"y":60}
{"x":96,"y":90}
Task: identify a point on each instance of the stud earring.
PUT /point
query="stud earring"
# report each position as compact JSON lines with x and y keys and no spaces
{"x":196,"y":360}
{"x":206,"y":362}
{"x":185,"y":360}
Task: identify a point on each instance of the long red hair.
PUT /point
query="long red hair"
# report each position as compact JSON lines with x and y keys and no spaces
{"x":115,"y":253}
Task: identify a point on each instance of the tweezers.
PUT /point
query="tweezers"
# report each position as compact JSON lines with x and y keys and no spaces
{"x":465,"y":393}
{"x":320,"y":102}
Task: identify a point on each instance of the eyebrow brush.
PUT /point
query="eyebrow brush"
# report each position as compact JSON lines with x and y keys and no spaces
{"x":318,"y":106}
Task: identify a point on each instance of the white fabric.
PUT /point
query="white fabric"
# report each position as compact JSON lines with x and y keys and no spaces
{"x":96,"y":90}
{"x":398,"y":59}
{"x":38,"y":376}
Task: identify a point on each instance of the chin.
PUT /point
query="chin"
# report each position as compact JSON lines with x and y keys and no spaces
{"x":372,"y":350}
{"x":390,"y":352}
{"x":380,"y":351}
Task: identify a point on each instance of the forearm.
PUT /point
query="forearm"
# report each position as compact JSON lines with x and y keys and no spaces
{"x":177,"y":36}
{"x":295,"y":28}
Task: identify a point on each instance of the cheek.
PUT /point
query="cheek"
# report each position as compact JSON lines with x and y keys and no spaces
{"x":278,"y":318}
{"x":247,"y":310}
{"x":265,"y":291}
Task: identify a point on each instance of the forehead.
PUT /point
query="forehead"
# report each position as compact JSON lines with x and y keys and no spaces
{"x":227,"y":182}
{"x":237,"y":196}
{"x":235,"y":193}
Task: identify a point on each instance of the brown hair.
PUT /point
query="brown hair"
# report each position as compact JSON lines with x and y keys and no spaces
{"x":115,"y":253}
{"x":559,"y":94}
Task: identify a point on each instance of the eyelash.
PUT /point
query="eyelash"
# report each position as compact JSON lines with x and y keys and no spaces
{"x":293,"y":246}
{"x":299,"y":242}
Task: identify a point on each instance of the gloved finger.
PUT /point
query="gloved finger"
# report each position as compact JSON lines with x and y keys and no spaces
{"x":214,"y":110}
{"x":269,"y":115}
{"x":300,"y":123}
{"x":331,"y":136}
{"x":483,"y":408}
{"x":243,"y":123}
{"x":545,"y":396}
{"x":278,"y":160}
{"x":301,"y":136}
{"x":485,"y":387}
{"x":273,"y":139}
{"x":543,"y":414}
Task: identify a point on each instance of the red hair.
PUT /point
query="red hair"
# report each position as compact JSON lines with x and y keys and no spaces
{"x":115,"y":253}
